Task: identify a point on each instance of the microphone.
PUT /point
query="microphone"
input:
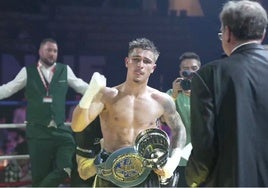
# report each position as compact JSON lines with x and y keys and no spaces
{"x":186,"y":83}
{"x":189,"y":75}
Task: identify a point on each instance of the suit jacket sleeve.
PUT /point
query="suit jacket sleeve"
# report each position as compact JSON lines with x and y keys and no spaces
{"x":203,"y":155}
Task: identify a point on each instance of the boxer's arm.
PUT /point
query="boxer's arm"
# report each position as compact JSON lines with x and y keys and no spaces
{"x":87,"y":109}
{"x":88,"y":145}
{"x":85,"y":167}
{"x":178,"y":139}
{"x":83,"y":117}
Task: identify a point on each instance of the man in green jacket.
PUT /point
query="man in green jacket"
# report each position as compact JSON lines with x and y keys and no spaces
{"x":51,"y":143}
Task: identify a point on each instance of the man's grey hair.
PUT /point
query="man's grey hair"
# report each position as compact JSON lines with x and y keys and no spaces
{"x":247,"y":20}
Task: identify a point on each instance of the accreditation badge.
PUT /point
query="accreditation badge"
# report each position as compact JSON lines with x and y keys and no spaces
{"x":47,"y":99}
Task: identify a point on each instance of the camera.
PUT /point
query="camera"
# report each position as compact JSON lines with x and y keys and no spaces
{"x":186,"y":84}
{"x":186,"y":81}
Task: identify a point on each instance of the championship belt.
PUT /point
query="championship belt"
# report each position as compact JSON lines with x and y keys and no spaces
{"x":153,"y":145}
{"x":124,"y":168}
{"x":130,"y":166}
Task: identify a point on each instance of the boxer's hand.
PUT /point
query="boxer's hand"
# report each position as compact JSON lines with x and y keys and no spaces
{"x":96,"y":83}
{"x":176,"y":87}
{"x":172,"y":162}
{"x":85,"y":167}
{"x":167,"y":170}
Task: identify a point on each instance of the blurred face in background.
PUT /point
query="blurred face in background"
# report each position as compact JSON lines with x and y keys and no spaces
{"x":48,"y":53}
{"x":191,"y":65}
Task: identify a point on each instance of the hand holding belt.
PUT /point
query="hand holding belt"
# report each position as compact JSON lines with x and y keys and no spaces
{"x":124,"y":167}
{"x":130,"y":166}
{"x":153,"y":145}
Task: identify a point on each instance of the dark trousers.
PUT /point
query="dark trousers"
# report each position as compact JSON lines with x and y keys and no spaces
{"x":76,"y":181}
{"x":151,"y":181}
{"x":49,"y":157}
{"x":182,"y":180}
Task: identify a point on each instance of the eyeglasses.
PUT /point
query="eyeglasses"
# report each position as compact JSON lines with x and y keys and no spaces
{"x":220,"y":36}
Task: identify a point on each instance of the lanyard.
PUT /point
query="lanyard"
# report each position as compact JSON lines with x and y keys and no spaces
{"x":44,"y":81}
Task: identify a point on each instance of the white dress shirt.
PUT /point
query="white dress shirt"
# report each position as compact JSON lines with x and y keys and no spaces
{"x":19,"y":82}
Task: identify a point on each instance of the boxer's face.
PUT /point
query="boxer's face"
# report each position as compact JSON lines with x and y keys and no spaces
{"x":140,"y":64}
{"x":48,"y":53}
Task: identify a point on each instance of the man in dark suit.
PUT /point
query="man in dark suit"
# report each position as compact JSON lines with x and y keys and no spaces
{"x":229,"y":105}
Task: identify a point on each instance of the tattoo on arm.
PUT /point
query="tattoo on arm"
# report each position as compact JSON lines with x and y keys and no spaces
{"x":174,"y":121}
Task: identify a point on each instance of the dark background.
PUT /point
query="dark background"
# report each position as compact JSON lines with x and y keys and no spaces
{"x":100,"y":28}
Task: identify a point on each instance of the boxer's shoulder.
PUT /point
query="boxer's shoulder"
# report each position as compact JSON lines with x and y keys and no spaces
{"x":110,"y":92}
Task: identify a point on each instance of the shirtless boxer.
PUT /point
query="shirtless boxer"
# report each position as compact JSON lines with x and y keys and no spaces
{"x":131,"y":107}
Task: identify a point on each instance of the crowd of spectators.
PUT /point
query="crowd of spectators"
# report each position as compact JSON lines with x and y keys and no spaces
{"x":13,"y":142}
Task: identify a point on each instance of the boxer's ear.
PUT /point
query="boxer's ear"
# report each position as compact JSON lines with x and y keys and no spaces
{"x":154,"y":67}
{"x":126,"y":61}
